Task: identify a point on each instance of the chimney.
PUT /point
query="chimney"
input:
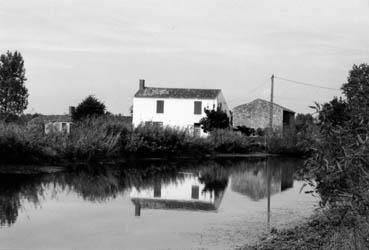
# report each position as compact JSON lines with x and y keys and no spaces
{"x":72,"y":109}
{"x":142,"y":84}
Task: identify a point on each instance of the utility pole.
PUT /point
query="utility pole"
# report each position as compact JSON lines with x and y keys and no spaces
{"x":269,"y":177}
{"x":271,"y":105}
{"x":269,"y":187}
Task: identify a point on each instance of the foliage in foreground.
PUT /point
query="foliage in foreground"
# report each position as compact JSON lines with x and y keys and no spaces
{"x":339,"y":167}
{"x":340,"y":163}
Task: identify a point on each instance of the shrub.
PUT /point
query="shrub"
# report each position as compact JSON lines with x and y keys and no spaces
{"x":228,"y":141}
{"x":289,"y":143}
{"x":152,"y":139}
{"x":93,"y":138}
{"x":110,"y":137}
{"x":246,"y":130}
{"x":215,"y":119}
{"x":20,"y":144}
{"x":260,"y":132}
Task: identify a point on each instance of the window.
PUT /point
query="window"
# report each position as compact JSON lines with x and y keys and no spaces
{"x":157,"y":190}
{"x":64,"y":127}
{"x":198,"y":108}
{"x":195,"y":192}
{"x":196,"y":130}
{"x":160,"y":106}
{"x":220,"y":106}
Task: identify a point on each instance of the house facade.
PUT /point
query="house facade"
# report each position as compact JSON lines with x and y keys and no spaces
{"x":175,"y":107}
{"x":58,"y":127}
{"x":256,"y":114}
{"x":188,"y":194}
{"x":53,"y":123}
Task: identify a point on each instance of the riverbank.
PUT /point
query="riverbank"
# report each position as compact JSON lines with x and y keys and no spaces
{"x":324,"y":230}
{"x":108,"y":139}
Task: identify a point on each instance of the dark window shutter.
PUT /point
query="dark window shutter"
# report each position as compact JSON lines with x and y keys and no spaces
{"x":198,"y":108}
{"x":160,"y":106}
{"x":196,"y":130}
{"x":195,"y":192}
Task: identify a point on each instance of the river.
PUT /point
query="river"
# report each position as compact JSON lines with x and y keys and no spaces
{"x":184,"y":204}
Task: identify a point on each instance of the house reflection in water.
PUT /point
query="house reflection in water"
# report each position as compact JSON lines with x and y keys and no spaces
{"x":252,"y":181}
{"x":187,"y":193}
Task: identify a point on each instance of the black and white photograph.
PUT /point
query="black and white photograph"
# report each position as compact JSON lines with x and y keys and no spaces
{"x":184,"y":124}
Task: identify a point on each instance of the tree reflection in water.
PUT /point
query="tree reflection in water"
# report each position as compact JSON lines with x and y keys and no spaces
{"x":102,"y":183}
{"x":14,"y":189}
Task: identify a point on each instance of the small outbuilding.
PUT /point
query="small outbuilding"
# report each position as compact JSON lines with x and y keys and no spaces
{"x":57,"y":124}
{"x":53,"y":123}
{"x":256,"y":115}
{"x":57,"y":127}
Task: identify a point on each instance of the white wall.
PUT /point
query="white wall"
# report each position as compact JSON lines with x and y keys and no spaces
{"x":56,"y":127}
{"x":181,"y":190}
{"x":177,"y":112}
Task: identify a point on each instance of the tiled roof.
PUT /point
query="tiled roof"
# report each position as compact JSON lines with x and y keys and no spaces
{"x":265,"y":101}
{"x":150,"y":92}
{"x":55,"y":118}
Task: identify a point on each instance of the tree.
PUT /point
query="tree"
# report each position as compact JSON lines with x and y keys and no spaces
{"x":334,"y":112}
{"x":340,"y":164}
{"x":13,"y":92}
{"x":90,"y":106}
{"x":356,"y":91}
{"x":215,"y":119}
{"x":303,"y":121}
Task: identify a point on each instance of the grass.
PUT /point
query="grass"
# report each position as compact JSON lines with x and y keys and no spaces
{"x":322,"y":231}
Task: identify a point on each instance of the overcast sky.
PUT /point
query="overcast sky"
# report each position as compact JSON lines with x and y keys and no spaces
{"x":73,"y":48}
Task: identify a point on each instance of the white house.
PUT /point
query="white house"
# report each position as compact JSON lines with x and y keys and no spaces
{"x":175,"y":107}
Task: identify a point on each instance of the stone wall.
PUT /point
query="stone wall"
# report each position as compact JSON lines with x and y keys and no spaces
{"x":256,"y":115}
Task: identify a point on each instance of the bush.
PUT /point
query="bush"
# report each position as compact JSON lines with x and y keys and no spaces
{"x":338,"y":168}
{"x":289,"y":143}
{"x":246,"y":130}
{"x":260,"y":132}
{"x":228,"y":141}
{"x":152,"y":139}
{"x":110,"y":137}
{"x":215,"y":119}
{"x":21,"y":144}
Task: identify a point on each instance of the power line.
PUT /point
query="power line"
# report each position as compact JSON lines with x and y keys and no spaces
{"x":252,"y":91}
{"x":258,"y":87}
{"x":306,"y":84}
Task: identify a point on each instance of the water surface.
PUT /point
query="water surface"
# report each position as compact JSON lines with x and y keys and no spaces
{"x":218,"y":204}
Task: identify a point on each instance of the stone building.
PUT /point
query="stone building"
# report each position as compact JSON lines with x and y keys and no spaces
{"x":256,"y":115}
